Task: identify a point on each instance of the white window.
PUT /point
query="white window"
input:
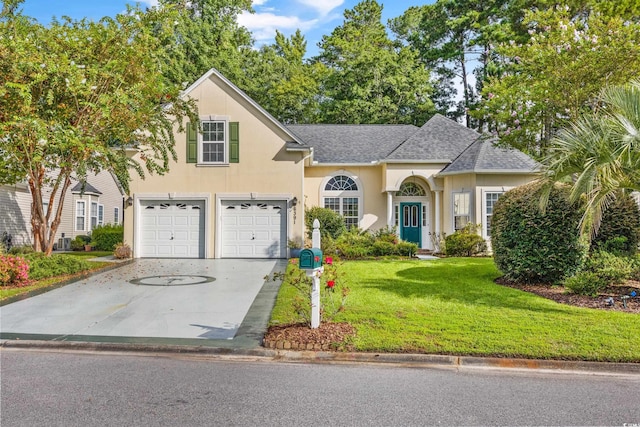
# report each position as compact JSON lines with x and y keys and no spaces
{"x":100,"y":214}
{"x":490,"y":198}
{"x":45,"y":207}
{"x":342,"y":195}
{"x":116,"y":216}
{"x":80,"y":215}
{"x":213,"y":142}
{"x":94,"y":215}
{"x":461,"y":210}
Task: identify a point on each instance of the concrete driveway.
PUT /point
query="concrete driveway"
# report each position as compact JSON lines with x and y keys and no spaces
{"x":193,"y":301}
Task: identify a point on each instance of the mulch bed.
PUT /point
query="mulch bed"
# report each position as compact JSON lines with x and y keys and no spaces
{"x":328,"y":336}
{"x":558,"y":294}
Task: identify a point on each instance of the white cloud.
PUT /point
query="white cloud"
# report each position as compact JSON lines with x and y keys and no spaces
{"x":263,"y":25}
{"x":151,"y":3}
{"x":323,"y":6}
{"x":259,"y":2}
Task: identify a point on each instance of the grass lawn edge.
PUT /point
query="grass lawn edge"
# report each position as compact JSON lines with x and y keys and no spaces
{"x":61,"y":281}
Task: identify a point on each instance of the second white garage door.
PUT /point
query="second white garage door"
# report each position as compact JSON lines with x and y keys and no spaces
{"x":253,"y":229}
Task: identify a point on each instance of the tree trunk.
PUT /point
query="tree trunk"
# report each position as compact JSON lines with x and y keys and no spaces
{"x":43,"y":233}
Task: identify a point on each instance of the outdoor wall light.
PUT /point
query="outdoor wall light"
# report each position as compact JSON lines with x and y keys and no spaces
{"x":294,"y":201}
{"x":130,"y":201}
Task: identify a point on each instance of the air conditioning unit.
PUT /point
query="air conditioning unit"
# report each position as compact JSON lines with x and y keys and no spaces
{"x":64,"y":244}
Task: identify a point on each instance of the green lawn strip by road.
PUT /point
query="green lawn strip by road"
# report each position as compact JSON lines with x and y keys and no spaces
{"x":6,"y":293}
{"x":453,"y":306}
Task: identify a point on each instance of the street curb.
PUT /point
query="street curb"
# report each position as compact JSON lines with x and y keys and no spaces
{"x":407,"y":360}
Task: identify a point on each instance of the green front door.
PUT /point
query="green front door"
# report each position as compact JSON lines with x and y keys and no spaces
{"x":411,"y":222}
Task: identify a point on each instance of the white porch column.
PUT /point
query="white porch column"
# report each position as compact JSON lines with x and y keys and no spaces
{"x":438,"y":230}
{"x":390,"y":209}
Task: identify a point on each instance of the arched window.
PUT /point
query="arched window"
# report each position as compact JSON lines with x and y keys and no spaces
{"x":410,"y":189}
{"x":342,"y":195}
{"x":341,"y":183}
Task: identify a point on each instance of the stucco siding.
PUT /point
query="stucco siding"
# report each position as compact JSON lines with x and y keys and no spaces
{"x":264,"y":170}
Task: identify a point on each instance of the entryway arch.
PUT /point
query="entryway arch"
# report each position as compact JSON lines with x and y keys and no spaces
{"x":412,"y":212}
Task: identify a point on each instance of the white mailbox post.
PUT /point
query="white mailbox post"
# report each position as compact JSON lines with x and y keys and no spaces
{"x":315,"y":274}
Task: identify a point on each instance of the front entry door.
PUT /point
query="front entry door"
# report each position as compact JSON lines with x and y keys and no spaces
{"x":411,"y":223}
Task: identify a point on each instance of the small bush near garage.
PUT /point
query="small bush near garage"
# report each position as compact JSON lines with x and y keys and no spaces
{"x":465,"y":242}
{"x":535,"y":247}
{"x":331,"y":223}
{"x":42,"y":266}
{"x":105,"y":237}
{"x":619,"y":231}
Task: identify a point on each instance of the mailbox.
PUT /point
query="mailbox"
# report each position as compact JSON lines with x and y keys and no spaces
{"x":310,"y":259}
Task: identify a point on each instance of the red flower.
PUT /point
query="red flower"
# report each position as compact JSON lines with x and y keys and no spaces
{"x":331,"y":284}
{"x":317,"y":259}
{"x":329,"y":260}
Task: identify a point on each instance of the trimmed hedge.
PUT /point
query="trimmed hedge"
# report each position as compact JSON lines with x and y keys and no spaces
{"x":535,"y":247}
{"x":619,"y":231}
{"x":106,"y":237}
{"x":42,"y":266}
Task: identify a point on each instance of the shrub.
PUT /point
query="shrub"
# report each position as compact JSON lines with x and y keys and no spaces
{"x":406,"y":248}
{"x":22,"y":250}
{"x":530,"y":245}
{"x":619,"y":230}
{"x":14,"y":271}
{"x":465,"y":242}
{"x":122,"y":251}
{"x":585,"y":283}
{"x":105,"y":237}
{"x":387,"y":234}
{"x":331,"y":223}
{"x":383,"y":248}
{"x":355,"y":243}
{"x":42,"y":266}
{"x":78,"y":243}
{"x":610,"y":268}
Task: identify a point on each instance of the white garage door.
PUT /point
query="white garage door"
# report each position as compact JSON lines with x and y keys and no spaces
{"x":253,"y":229}
{"x":172,"y":229}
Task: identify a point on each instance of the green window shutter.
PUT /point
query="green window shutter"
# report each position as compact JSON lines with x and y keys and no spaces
{"x":192,"y":143}
{"x":234,"y":142}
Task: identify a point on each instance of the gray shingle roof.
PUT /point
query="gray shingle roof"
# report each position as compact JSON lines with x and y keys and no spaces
{"x":352,"y":143}
{"x":484,"y":156}
{"x":438,"y":139}
{"x":87,"y":189}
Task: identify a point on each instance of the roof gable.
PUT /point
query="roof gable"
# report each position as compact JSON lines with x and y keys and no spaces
{"x":440,"y":139}
{"x":85,"y":188}
{"x":485,"y":156}
{"x":215,"y":75}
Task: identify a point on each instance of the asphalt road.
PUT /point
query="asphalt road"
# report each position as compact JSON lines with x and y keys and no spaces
{"x":97,"y":389}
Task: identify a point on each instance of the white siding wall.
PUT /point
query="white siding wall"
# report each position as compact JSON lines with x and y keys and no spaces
{"x":15,"y":213}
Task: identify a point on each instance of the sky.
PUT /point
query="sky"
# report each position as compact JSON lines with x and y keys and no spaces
{"x":314,"y":18}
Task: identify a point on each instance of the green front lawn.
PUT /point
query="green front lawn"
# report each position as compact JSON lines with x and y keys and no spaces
{"x":453,"y":306}
{"x":6,"y":293}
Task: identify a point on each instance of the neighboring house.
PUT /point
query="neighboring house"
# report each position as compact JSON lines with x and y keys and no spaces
{"x":241,"y":182}
{"x":99,"y":202}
